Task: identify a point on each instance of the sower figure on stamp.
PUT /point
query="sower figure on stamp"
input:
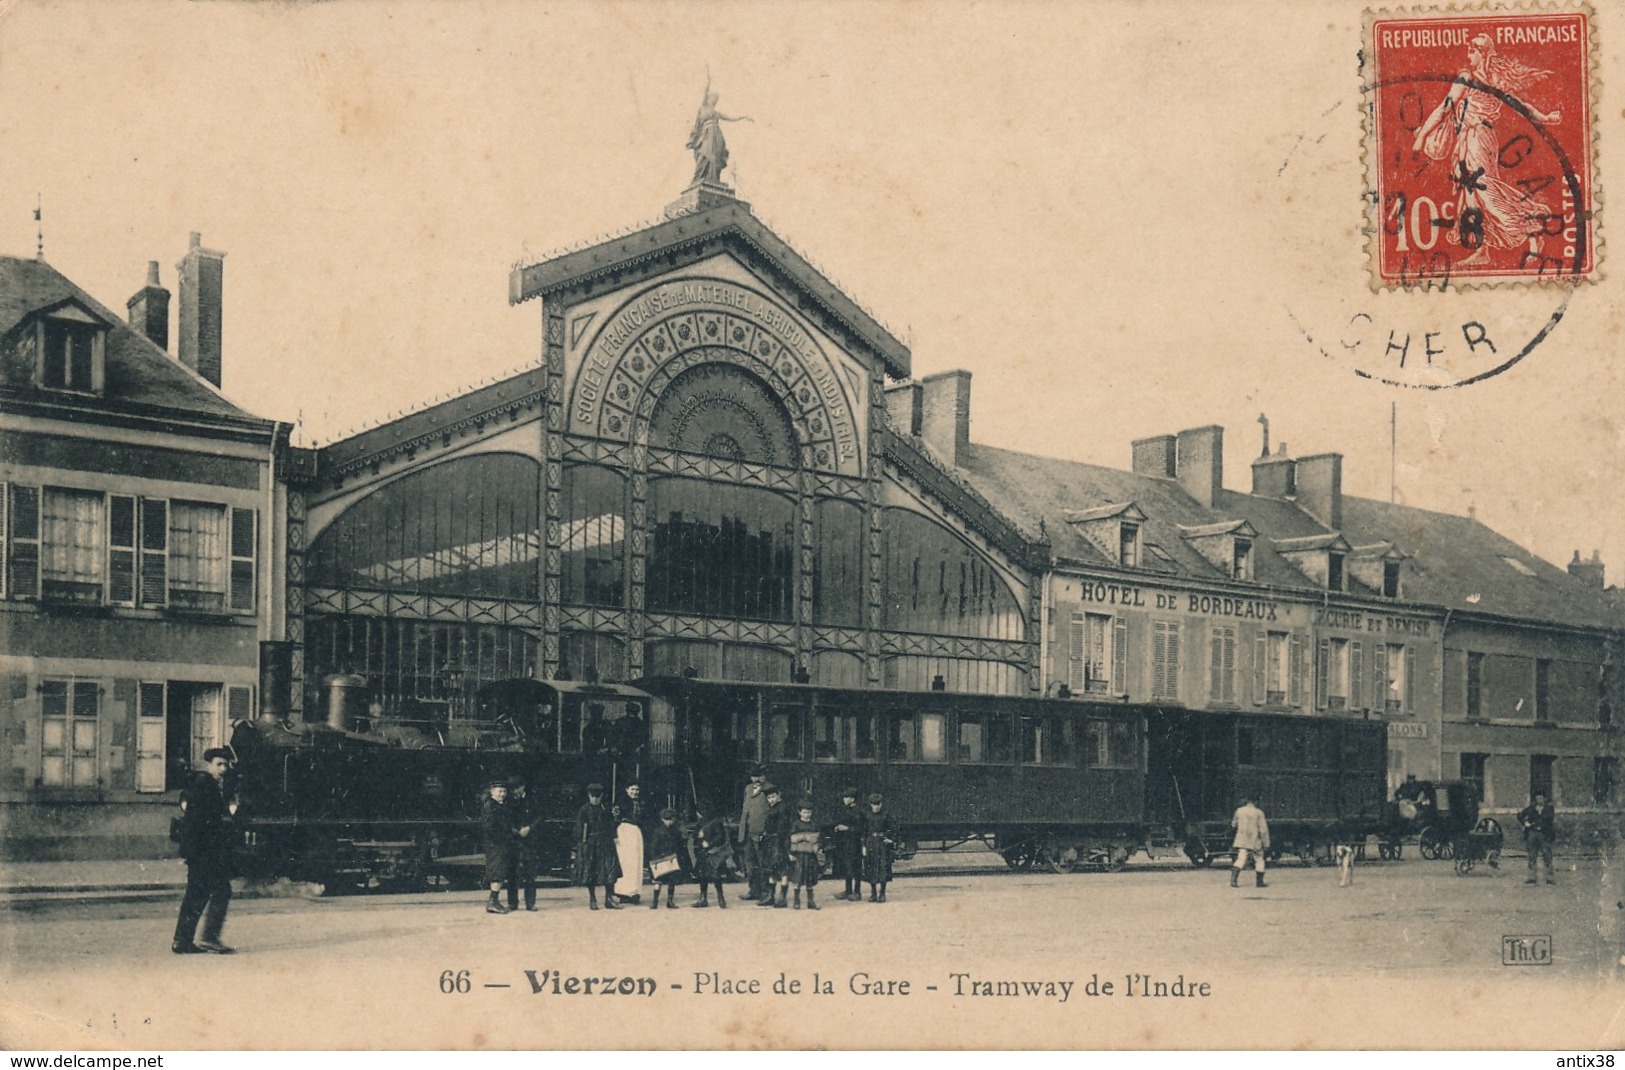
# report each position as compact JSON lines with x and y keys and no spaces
{"x":526,"y":844}
{"x":666,"y":858}
{"x":1493,"y":213}
{"x":752,"y":823}
{"x":773,"y":850}
{"x":710,"y":853}
{"x":497,"y":840}
{"x":206,"y":837}
{"x":805,"y":862}
{"x":848,"y":843}
{"x":1539,"y":822}
{"x":1252,"y":837}
{"x":879,"y":837}
{"x":596,"y":862}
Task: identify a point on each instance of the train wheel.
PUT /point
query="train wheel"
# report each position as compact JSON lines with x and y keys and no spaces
{"x":1197,"y":852}
{"x":1062,"y":859}
{"x":1020,"y":856}
{"x":1116,"y":858}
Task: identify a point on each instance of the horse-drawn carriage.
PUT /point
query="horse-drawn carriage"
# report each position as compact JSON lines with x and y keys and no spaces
{"x":1444,"y":819}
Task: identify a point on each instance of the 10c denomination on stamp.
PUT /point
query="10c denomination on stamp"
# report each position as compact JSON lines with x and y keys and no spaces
{"x":1479,"y":146}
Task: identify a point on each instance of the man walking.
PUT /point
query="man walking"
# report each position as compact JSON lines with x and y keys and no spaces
{"x":1252,"y":837}
{"x":1539,"y":821}
{"x":206,"y":838}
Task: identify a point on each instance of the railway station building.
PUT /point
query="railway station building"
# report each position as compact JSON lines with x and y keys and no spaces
{"x":141,"y":519}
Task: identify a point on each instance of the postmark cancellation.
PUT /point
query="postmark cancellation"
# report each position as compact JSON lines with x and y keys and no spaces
{"x":1478,"y":143}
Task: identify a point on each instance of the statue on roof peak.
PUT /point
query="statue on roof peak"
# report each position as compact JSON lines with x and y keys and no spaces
{"x":709,"y":146}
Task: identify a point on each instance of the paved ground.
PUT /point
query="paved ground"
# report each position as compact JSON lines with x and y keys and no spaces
{"x":1411,"y":955}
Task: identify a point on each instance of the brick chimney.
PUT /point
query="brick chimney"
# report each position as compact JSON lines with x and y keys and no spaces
{"x":903,"y":408}
{"x":1319,"y":482}
{"x":149,"y":309}
{"x":198,"y":345}
{"x":1590,"y":572}
{"x":945,"y":414}
{"x":1154,"y":456}
{"x":1273,"y":475}
{"x":1199,"y":462}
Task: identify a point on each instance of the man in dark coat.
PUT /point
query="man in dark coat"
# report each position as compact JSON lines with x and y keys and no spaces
{"x":497,"y":839}
{"x":879,"y":837}
{"x":848,"y":843}
{"x":206,"y":837}
{"x":1539,"y":823}
{"x":526,"y":844}
{"x":752,"y":814}
{"x":596,"y":863}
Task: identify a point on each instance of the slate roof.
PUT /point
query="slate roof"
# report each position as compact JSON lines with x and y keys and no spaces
{"x":1451,"y":562}
{"x":141,"y":378}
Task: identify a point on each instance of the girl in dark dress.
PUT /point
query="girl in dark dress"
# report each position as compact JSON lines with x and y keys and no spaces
{"x":805,"y":865}
{"x":596,"y":864}
{"x":497,"y":838}
{"x":848,"y":842}
{"x":879,"y":836}
{"x":710,"y":851}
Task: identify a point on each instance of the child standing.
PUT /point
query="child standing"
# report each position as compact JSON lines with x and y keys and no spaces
{"x":665,"y":858}
{"x":710,"y":853}
{"x":805,"y":865}
{"x":879,"y":836}
{"x":849,"y":845}
{"x":596,"y":864}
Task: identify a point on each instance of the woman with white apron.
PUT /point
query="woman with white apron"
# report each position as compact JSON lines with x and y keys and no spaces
{"x":629,"y":844}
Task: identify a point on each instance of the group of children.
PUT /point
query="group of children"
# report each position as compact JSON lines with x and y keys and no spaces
{"x":789,"y":852}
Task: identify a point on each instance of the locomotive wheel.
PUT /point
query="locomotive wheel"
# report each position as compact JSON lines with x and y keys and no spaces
{"x":1020,"y":856}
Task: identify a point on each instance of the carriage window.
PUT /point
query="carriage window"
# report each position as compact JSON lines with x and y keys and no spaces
{"x":748,"y":731}
{"x":984,"y":737}
{"x":933,"y":738}
{"x":866,"y":747}
{"x":1048,"y":740}
{"x":917,"y":737}
{"x":784,"y":734}
{"x":829,"y":731}
{"x":1110,"y":745}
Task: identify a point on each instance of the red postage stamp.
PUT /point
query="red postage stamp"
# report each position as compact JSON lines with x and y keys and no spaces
{"x":1479,"y":146}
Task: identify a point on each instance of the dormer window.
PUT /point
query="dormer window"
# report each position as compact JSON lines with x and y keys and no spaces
{"x":1128,"y":545}
{"x":1334,"y":571}
{"x":67,"y":345}
{"x":1390,"y":579}
{"x":1241,"y":560}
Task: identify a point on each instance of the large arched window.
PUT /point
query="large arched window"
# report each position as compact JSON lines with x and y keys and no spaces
{"x":593,"y":538}
{"x":937,"y":583}
{"x":720,"y":551}
{"x":466,"y":527}
{"x":840,"y":552}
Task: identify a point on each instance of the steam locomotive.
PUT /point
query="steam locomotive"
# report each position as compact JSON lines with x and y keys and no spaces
{"x":1057,"y":783}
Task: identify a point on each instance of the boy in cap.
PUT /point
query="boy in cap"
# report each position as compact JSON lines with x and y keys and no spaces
{"x":752,"y":818}
{"x":710,"y":852}
{"x":496,"y":838}
{"x":849,"y":845}
{"x":666,"y":852}
{"x":596,"y":863}
{"x":773,"y":850}
{"x":805,"y":864}
{"x":526,"y":844}
{"x":879,"y":835}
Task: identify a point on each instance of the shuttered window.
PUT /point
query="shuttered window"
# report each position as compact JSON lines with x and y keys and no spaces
{"x":1088,"y":654}
{"x":1165,"y":659}
{"x":1222,"y":665}
{"x":120,"y":550}
{"x":1296,"y":670}
{"x":154,"y":552}
{"x":22,"y":558}
{"x":243,"y":534}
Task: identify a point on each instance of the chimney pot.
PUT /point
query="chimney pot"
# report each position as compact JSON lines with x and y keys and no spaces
{"x":945,"y":414}
{"x":152,"y":273}
{"x":149,"y":309}
{"x":1590,"y":573}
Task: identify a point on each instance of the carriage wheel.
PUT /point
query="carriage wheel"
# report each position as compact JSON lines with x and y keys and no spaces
{"x":1019,"y":856}
{"x":1061,"y":859}
{"x":1113,"y":858}
{"x":1464,"y":865}
{"x":1429,"y":843}
{"x":1447,"y":850}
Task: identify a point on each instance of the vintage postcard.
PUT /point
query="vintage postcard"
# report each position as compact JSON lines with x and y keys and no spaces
{"x":822,"y":525}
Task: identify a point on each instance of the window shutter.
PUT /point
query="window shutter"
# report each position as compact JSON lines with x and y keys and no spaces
{"x":1294,"y":695}
{"x":120,"y":550}
{"x":1261,"y":664}
{"x":1074,"y":655}
{"x":23,"y":561}
{"x":154,"y":551}
{"x":1410,"y":680}
{"x":1216,"y":667}
{"x":1356,"y":675}
{"x":1172,"y":669}
{"x":5,"y":494}
{"x":242,"y":559}
{"x":1120,"y":655}
{"x":1230,"y":665}
{"x":1323,"y":671}
{"x":1379,"y":677}
{"x":239,"y":705}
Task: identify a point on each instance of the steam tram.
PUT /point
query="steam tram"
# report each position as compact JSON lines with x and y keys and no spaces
{"x":1058,"y":783}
